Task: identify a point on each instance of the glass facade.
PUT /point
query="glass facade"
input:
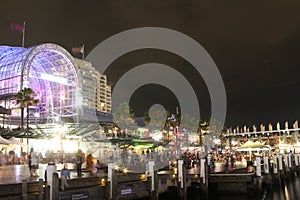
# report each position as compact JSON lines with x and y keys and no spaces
{"x":47,"y":69}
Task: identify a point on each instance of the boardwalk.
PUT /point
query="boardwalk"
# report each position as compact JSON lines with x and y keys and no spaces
{"x":10,"y":174}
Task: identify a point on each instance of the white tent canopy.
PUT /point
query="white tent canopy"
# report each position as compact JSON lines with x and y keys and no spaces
{"x":4,"y":141}
{"x":14,"y":141}
{"x":253,"y":146}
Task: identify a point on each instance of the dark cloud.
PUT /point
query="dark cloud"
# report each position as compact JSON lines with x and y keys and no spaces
{"x":255,"y":44}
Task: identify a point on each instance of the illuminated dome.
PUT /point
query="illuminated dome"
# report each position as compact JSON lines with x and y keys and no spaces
{"x":47,"y":69}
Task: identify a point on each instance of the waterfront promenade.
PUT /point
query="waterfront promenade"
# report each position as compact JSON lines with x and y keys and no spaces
{"x":11,"y":174}
{"x":14,"y":174}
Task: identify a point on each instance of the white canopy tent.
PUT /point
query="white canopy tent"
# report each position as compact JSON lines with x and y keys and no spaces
{"x":4,"y":141}
{"x":254,"y":146}
{"x":14,"y":141}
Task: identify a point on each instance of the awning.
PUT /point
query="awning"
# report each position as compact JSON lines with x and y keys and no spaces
{"x":4,"y":141}
{"x":14,"y":141}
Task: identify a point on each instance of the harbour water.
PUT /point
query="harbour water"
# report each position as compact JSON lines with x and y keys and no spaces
{"x":288,"y":190}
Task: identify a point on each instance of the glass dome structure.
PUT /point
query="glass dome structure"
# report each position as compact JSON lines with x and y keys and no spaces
{"x":49,"y":70}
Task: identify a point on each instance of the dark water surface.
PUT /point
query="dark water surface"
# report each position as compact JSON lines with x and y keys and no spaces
{"x":288,"y":190}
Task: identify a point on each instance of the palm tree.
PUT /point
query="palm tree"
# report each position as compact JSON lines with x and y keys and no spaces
{"x":26,"y":98}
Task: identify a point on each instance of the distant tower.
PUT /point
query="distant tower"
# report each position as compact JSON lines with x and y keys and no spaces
{"x":104,"y":95}
{"x":94,"y":98}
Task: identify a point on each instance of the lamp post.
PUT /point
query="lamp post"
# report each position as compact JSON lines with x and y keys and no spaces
{"x":62,"y":127}
{"x":62,"y":136}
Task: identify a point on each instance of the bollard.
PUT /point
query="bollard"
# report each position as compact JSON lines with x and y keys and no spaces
{"x":41,"y":189}
{"x":24,"y":190}
{"x":184,"y":184}
{"x":51,"y":168}
{"x":55,"y":187}
{"x":258,"y":166}
{"x":155,"y":192}
{"x":180,"y":177}
{"x":111,"y":179}
{"x":286,"y":166}
{"x":276,"y":172}
{"x":296,"y":164}
{"x":267,"y":172}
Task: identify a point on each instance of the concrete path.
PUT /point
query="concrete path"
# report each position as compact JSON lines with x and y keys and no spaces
{"x":10,"y":174}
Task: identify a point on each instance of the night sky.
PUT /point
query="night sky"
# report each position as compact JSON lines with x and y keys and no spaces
{"x":255,"y":45}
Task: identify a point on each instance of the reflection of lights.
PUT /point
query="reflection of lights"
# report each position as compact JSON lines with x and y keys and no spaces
{"x":43,"y":145}
{"x":286,"y":192}
{"x":217,"y":141}
{"x":175,"y":170}
{"x":234,"y":143}
{"x":56,"y":118}
{"x":158,"y":136}
{"x":125,"y":170}
{"x":117,"y":167}
{"x":56,"y":79}
{"x":143,"y":177}
{"x":102,"y":182}
{"x":62,"y":97}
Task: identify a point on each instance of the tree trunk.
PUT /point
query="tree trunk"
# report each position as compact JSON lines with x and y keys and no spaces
{"x":27,"y":127}
{"x":22,"y":126}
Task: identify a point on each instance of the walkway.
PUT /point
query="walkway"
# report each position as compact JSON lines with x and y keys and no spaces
{"x":10,"y":174}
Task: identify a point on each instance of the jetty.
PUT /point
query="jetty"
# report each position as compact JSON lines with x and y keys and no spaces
{"x":116,"y":184}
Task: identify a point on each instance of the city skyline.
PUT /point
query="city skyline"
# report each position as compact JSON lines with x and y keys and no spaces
{"x":254,"y":47}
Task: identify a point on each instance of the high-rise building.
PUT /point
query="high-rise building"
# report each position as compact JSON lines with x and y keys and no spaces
{"x":94,"y":98}
{"x":104,"y":95}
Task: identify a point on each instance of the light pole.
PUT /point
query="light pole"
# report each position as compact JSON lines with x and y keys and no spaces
{"x":62,"y":127}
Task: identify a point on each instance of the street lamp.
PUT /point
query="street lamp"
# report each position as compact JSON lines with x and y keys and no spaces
{"x":62,"y":129}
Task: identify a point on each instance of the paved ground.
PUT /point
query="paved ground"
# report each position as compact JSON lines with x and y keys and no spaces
{"x":10,"y":174}
{"x":17,"y":173}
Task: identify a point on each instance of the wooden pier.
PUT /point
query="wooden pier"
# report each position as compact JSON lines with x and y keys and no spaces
{"x":137,"y":185}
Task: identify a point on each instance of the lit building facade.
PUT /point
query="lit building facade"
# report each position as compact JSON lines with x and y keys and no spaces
{"x":88,"y":78}
{"x":65,"y":86}
{"x":50,"y":72}
{"x":94,"y":98}
{"x":103,"y":95}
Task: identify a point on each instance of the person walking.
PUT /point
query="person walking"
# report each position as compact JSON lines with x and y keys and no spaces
{"x":32,"y":163}
{"x":79,"y":161}
{"x":124,"y":156}
{"x":90,"y":163}
{"x":30,"y":166}
{"x":64,"y":176}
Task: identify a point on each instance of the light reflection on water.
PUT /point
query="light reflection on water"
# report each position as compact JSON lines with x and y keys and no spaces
{"x":289,"y":190}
